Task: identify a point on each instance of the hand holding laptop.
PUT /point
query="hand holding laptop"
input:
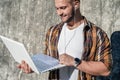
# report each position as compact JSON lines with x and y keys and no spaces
{"x":25,"y":67}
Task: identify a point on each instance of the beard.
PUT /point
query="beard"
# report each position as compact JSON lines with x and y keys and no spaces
{"x":72,"y":16}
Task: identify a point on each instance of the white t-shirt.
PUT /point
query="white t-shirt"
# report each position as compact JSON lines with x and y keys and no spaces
{"x":70,"y":42}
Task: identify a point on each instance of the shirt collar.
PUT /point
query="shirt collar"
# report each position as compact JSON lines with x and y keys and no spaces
{"x":87,"y":24}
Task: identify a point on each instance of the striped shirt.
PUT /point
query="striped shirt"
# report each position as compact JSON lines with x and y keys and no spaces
{"x":96,"y":47}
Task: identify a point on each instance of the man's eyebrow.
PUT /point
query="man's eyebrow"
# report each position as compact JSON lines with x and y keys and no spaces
{"x":62,"y":7}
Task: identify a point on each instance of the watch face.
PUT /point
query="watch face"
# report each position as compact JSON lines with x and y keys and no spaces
{"x":77,"y":61}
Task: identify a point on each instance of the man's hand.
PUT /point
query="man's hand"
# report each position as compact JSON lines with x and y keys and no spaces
{"x":66,"y":59}
{"x":25,"y":67}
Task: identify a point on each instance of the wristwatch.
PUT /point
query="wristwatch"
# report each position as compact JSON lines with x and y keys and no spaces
{"x":77,"y":61}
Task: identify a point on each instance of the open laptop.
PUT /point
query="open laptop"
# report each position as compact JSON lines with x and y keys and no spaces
{"x":39,"y":63}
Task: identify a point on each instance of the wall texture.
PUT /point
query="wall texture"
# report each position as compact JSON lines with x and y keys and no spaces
{"x":27,"y":21}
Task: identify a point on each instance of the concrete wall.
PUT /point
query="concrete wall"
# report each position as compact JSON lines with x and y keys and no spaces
{"x":27,"y":21}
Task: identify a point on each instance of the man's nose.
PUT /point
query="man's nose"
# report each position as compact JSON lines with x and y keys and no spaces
{"x":59,"y":12}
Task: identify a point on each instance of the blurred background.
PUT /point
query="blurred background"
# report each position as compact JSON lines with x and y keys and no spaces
{"x":27,"y":21}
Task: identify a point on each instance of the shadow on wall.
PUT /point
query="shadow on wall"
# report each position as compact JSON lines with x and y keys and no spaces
{"x":115,"y":45}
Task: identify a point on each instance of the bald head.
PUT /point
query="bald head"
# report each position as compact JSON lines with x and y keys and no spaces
{"x":72,"y":0}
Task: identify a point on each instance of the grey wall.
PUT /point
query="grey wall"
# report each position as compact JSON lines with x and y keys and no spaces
{"x":27,"y":21}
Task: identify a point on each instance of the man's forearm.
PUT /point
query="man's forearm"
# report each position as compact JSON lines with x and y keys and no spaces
{"x":94,"y":68}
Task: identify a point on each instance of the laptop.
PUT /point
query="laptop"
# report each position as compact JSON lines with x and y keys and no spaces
{"x":39,"y":63}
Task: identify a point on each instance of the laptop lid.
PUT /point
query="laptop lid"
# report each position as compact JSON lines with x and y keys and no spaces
{"x":18,"y":52}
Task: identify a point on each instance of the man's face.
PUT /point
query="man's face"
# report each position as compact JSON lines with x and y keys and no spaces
{"x":65,"y":10}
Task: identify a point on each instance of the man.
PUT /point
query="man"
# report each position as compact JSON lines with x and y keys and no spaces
{"x":78,"y":44}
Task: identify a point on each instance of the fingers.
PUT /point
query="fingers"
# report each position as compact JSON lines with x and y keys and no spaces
{"x":28,"y":69}
{"x":66,"y":59}
{"x":25,"y":67}
{"x":62,"y":59}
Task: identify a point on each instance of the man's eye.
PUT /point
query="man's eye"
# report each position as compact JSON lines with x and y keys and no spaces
{"x":63,"y":7}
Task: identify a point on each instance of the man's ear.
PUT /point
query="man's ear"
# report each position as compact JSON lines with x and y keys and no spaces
{"x":76,"y":4}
